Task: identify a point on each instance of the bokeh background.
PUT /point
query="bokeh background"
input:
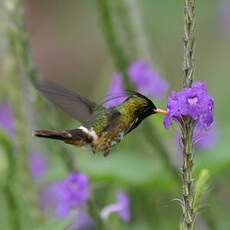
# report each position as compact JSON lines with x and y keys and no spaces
{"x":68,"y":47}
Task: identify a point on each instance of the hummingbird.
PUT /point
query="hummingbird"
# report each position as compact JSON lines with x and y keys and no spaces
{"x":101,"y":127}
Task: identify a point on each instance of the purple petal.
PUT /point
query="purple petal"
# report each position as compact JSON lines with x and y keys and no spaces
{"x":124,"y":201}
{"x":68,"y":194}
{"x":62,"y":210}
{"x":121,"y":207}
{"x":194,"y":102}
{"x":167,"y":121}
{"x":73,"y":191}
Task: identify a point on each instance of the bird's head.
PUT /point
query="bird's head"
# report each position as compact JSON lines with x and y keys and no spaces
{"x":142,"y":106}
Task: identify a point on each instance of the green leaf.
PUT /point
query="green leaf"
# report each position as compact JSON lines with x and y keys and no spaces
{"x":201,"y":188}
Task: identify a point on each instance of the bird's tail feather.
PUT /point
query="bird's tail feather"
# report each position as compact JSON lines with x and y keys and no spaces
{"x":76,"y":136}
{"x":52,"y":134}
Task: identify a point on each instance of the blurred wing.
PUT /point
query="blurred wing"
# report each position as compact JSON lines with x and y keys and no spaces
{"x":118,"y":98}
{"x":72,"y":103}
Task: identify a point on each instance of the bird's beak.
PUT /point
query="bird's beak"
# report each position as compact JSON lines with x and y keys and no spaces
{"x":160,"y":111}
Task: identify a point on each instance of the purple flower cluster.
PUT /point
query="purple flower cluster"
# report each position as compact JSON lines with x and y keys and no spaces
{"x":121,"y":207}
{"x":51,"y":201}
{"x":146,"y":80}
{"x":72,"y":193}
{"x":193,"y":102}
{"x":6,"y":119}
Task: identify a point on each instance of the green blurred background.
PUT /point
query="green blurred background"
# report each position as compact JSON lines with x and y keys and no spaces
{"x":68,"y":47}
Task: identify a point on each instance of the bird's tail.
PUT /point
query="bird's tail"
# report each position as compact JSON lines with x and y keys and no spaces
{"x":76,"y":136}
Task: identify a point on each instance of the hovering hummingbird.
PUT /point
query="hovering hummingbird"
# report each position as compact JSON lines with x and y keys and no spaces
{"x":101,"y":127}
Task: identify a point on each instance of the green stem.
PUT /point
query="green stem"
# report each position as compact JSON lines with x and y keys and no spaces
{"x":114,"y":46}
{"x":17,"y":41}
{"x":122,"y":23}
{"x":136,"y":25}
{"x":9,"y":186}
{"x":189,"y":214}
{"x":187,"y":176}
{"x":189,"y":42}
{"x":26,"y":185}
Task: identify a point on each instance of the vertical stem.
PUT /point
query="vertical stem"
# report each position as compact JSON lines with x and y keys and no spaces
{"x":188,"y":125}
{"x":140,"y":38}
{"x":114,"y":46}
{"x":9,"y":186}
{"x":16,"y":41}
{"x":187,"y":176}
{"x":189,"y":42}
{"x":27,"y":189}
{"x":122,"y":24}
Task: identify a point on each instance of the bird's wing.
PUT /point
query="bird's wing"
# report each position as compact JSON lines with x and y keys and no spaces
{"x":72,"y":103}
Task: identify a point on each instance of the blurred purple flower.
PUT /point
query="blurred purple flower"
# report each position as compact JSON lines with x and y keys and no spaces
{"x":72,"y":192}
{"x":121,"y":207}
{"x":147,"y":80}
{"x":82,"y":221}
{"x":194,"y":102}
{"x":144,"y":78}
{"x":116,"y":93}
{"x":205,"y":139}
{"x":49,"y":200}
{"x":7,"y":119}
{"x":38,"y":164}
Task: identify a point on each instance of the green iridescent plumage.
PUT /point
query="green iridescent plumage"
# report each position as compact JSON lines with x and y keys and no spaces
{"x":101,"y":127}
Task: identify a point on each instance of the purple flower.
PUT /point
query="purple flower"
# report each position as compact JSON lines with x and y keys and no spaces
{"x":6,"y":119}
{"x":49,"y":200}
{"x":147,"y":80}
{"x":205,"y":139}
{"x":116,"y":93}
{"x":121,"y":207}
{"x":73,"y":192}
{"x":38,"y":164}
{"x":193,"y":102}
{"x":82,"y":221}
